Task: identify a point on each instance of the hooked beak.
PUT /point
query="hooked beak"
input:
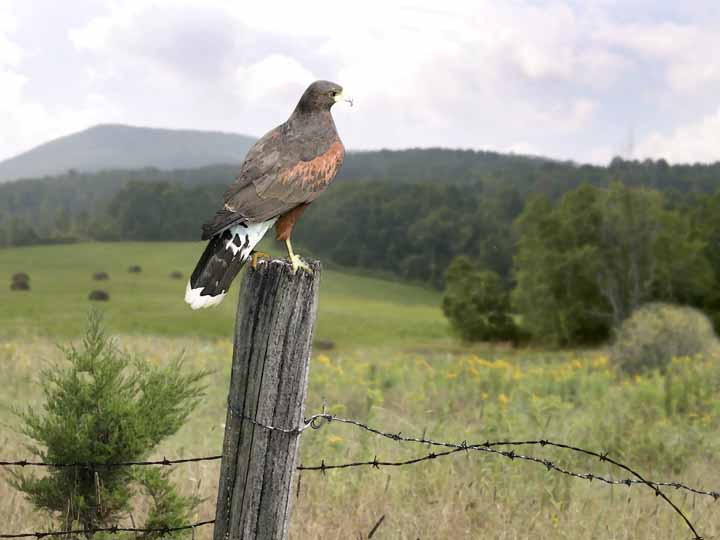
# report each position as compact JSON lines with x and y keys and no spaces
{"x":342,"y":97}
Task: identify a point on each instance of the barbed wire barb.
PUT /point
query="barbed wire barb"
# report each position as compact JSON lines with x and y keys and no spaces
{"x":114,"y":529}
{"x":95,"y":465}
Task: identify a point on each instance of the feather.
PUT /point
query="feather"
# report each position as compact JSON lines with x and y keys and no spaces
{"x":224,"y":256}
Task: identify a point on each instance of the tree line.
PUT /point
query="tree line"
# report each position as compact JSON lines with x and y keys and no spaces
{"x":584,"y":264}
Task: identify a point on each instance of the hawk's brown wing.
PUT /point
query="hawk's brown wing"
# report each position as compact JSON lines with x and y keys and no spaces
{"x":281,"y":171}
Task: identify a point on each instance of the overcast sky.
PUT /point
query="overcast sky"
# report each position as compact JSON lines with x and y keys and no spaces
{"x":572,"y":79}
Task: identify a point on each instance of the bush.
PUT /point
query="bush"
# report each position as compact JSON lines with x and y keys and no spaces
{"x":477,"y":304}
{"x":104,"y":406}
{"x":657,"y":333}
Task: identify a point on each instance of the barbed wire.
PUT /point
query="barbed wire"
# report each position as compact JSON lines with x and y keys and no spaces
{"x":112,"y":530}
{"x":99,"y":465}
{"x":317,"y":421}
{"x":487,"y":446}
{"x":311,"y":422}
{"x":511,"y":454}
{"x":548,"y":464}
{"x":375,"y":463}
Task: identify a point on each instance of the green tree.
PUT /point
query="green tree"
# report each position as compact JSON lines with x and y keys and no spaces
{"x":476,"y":303}
{"x":648,"y":253}
{"x":104,"y":406}
{"x":556,"y":266}
{"x":585,"y":264}
{"x":705,"y":214}
{"x":433,"y":253}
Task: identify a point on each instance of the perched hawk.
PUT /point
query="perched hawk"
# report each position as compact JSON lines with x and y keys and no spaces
{"x":286,"y":170}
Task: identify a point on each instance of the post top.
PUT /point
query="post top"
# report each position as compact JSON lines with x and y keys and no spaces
{"x":283,"y":265}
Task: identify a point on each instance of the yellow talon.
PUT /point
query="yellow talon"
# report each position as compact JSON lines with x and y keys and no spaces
{"x":256,"y":255}
{"x":295,"y":260}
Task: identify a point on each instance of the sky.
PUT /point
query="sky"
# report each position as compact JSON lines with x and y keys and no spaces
{"x":570,"y":79}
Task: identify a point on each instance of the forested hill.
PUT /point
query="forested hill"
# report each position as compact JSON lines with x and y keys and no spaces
{"x":438,"y":165}
{"x":524,"y":174}
{"x":127,"y":147}
{"x":121,"y":147}
{"x":408,"y":212}
{"x":42,"y":198}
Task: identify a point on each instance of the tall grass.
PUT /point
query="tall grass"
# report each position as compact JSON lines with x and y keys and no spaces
{"x":665,"y":426}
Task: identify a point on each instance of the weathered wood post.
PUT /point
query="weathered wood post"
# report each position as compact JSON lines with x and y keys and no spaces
{"x":273,"y":338}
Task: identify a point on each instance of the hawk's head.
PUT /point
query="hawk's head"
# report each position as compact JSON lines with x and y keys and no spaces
{"x":321,"y":95}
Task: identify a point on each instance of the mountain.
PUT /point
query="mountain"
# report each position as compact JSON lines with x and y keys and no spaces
{"x":114,"y":146}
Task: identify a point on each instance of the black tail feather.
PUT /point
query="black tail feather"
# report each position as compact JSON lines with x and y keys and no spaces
{"x":218,"y":266}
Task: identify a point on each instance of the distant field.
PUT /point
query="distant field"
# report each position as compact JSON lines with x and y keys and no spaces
{"x":354,"y":310}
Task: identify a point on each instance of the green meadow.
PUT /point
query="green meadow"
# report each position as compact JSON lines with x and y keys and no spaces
{"x":397,"y":367}
{"x":354,"y":310}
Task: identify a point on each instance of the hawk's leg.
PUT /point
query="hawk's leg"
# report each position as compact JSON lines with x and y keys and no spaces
{"x":257,"y":255}
{"x":295,"y":260}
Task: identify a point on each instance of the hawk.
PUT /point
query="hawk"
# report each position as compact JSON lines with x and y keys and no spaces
{"x":284,"y":171}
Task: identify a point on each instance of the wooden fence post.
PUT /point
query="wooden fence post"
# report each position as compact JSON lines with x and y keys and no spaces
{"x":273,"y":338}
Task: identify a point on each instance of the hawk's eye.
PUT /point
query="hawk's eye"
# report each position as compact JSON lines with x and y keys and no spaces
{"x":333,"y":94}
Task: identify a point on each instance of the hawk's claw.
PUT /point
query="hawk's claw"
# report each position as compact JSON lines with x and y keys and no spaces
{"x":297,"y":262}
{"x":255,"y":256}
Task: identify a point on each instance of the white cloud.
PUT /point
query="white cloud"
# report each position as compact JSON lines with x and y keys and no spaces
{"x":694,"y":142}
{"x":33,"y":123}
{"x":687,"y":53}
{"x":15,"y":113}
{"x":273,"y":76}
{"x":689,"y":76}
{"x":561,"y":76}
{"x":10,"y":52}
{"x":28,"y":121}
{"x":573,"y":115}
{"x":11,"y":85}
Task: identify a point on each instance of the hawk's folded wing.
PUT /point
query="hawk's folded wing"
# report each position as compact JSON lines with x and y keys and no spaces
{"x":280,"y":172}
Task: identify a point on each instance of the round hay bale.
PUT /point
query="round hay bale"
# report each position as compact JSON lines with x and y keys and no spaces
{"x":176,"y":275}
{"x":20,"y":277}
{"x":99,"y":296}
{"x":324,"y":345}
{"x":135,"y":269}
{"x":19,"y":286}
{"x":101,"y":276}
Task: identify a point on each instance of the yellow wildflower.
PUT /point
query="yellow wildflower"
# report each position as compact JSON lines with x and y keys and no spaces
{"x":600,"y":361}
{"x":502,"y":364}
{"x":334,"y":440}
{"x":324,"y":359}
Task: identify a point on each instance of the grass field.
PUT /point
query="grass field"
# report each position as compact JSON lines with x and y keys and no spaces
{"x":354,"y":310}
{"x":396,"y":368}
